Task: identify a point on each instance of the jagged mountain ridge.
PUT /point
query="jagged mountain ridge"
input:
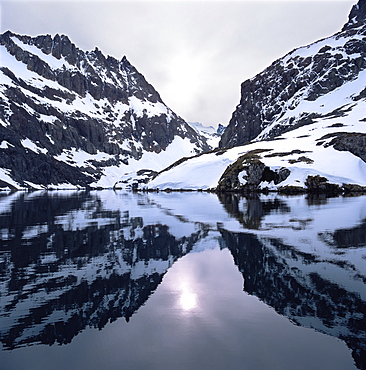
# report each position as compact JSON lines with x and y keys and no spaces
{"x":284,"y":95}
{"x":74,"y":117}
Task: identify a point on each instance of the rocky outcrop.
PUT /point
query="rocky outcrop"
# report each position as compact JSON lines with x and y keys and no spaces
{"x":353,"y":142}
{"x":248,"y":172}
{"x":319,"y":184}
{"x":270,"y":101}
{"x":220,"y":129}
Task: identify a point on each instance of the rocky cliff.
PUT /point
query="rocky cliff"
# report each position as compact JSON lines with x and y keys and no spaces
{"x":77,"y":118}
{"x":285,"y":95}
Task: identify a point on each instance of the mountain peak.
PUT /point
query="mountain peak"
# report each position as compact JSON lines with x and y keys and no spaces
{"x":58,"y":101}
{"x":357,"y":15}
{"x":126,"y":63}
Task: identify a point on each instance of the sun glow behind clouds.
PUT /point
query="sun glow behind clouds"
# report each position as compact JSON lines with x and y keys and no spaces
{"x":186,"y":70}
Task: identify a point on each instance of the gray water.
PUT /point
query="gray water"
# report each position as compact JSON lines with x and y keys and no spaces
{"x":111,"y":280}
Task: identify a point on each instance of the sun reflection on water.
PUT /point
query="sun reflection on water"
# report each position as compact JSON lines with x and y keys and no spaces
{"x":188,"y":300}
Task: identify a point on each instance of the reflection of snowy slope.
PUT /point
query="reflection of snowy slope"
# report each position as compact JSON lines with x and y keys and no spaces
{"x":309,"y":227}
{"x":78,"y":259}
{"x":311,"y":291}
{"x":292,"y":254}
{"x":305,"y":257}
{"x":95,"y":259}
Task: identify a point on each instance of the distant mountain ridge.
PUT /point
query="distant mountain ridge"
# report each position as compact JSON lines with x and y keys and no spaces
{"x":212,"y":134}
{"x":69,"y":117}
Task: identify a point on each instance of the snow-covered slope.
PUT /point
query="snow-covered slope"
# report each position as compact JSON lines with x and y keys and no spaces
{"x":79,"y":118}
{"x":302,"y":122}
{"x":309,"y":150}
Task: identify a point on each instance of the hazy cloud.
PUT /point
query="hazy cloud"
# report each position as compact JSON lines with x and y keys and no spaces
{"x":195,"y":53}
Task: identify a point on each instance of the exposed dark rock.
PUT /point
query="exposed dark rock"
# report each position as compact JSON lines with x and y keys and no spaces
{"x":352,"y":142}
{"x":220,"y":129}
{"x":285,"y":154}
{"x":357,"y":15}
{"x":319,"y":184}
{"x":350,"y":189}
{"x":248,"y":172}
{"x":244,"y":174}
{"x":37,"y":168}
{"x":277,"y":176}
{"x":301,"y":159}
{"x":291,"y":190}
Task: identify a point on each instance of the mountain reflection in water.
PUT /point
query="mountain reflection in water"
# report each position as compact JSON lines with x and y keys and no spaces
{"x":72,"y":260}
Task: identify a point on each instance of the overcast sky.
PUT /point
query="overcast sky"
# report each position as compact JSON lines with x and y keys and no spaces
{"x":195,"y":53}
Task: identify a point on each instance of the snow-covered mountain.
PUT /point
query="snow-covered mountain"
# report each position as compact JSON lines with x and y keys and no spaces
{"x":212,"y":134}
{"x":300,"y":123}
{"x":291,"y":92}
{"x":69,"y":117}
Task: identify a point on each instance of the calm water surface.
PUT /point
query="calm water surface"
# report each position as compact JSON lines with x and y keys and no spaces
{"x":111,"y":280}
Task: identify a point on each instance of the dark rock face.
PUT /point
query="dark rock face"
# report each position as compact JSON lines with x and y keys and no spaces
{"x":319,"y":184}
{"x":244,"y":173}
{"x":268,"y":99}
{"x":351,"y":142}
{"x":220,"y":129}
{"x":68,"y":100}
{"x":357,"y":15}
